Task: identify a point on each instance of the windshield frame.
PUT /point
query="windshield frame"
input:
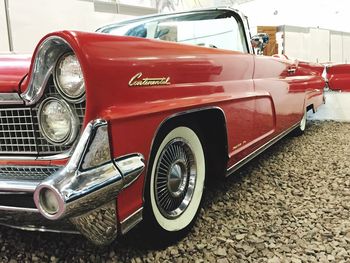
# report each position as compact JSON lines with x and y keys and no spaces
{"x":241,"y":19}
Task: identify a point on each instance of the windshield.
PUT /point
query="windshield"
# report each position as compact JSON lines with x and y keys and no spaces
{"x":213,"y":28}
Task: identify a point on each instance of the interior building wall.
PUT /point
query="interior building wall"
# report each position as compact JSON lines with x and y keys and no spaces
{"x":4,"y":46}
{"x":346,"y":49}
{"x":318,"y":47}
{"x":294,"y":45}
{"x":316,"y":44}
{"x":31,"y":20}
{"x":336,"y":46}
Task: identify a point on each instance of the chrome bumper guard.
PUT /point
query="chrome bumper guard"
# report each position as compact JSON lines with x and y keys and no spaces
{"x":83,"y":191}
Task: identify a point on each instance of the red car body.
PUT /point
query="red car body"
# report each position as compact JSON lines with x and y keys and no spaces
{"x":138,"y":85}
{"x":13,"y":68}
{"x":338,"y":77}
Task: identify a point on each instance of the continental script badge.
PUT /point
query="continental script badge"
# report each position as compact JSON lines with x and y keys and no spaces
{"x":137,"y":80}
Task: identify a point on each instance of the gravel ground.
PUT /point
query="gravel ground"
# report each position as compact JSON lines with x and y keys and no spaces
{"x":291,"y":204}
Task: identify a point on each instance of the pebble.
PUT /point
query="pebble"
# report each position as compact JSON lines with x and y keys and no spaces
{"x":240,"y":237}
{"x":221,"y":252}
{"x":290,"y":204}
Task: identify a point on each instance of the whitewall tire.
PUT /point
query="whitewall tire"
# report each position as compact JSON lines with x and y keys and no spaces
{"x":303,"y":122}
{"x":302,"y":125}
{"x":177,"y":180}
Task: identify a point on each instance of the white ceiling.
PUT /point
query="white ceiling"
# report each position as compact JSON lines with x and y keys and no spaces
{"x":328,"y":14}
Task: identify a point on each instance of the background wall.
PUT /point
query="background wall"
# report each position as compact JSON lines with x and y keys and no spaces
{"x":32,"y":19}
{"x":3,"y":29}
{"x":314,"y":44}
{"x":331,"y":14}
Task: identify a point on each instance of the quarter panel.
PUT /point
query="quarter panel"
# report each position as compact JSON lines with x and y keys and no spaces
{"x":287,"y":91}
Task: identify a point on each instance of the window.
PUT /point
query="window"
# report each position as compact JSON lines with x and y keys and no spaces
{"x":213,"y":28}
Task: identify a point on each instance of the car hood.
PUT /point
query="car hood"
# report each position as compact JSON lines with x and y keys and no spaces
{"x":13,"y":68}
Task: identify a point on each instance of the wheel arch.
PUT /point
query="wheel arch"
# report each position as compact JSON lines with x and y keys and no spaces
{"x":211,"y":123}
{"x":310,"y":107}
{"x":205,"y":123}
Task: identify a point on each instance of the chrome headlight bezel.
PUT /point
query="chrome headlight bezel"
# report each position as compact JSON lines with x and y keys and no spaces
{"x":61,"y":89}
{"x":73,"y":119}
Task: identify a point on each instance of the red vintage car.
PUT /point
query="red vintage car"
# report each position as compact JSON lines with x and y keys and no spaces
{"x":338,"y":77}
{"x":125,"y":125}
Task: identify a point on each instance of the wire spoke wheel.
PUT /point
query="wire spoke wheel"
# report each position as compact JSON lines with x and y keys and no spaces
{"x":175,"y":178}
{"x":176,"y":181}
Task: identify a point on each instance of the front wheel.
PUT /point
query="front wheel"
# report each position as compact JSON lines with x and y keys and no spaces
{"x":175,"y":185}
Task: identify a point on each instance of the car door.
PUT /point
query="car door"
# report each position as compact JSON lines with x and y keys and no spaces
{"x":279,"y":78}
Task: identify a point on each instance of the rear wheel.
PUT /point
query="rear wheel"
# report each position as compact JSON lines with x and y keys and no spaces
{"x":175,"y":185}
{"x":302,"y":125}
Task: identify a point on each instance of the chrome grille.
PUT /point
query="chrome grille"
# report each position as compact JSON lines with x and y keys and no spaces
{"x":27,"y":172}
{"x":17,"y":131}
{"x":19,"y":128}
{"x":45,"y":147}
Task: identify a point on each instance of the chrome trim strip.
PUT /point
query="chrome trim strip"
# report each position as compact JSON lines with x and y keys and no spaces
{"x":25,"y":186}
{"x":27,"y":96}
{"x":251,"y":156}
{"x":40,"y":229}
{"x":247,"y":32}
{"x":10,"y":99}
{"x":84,"y":183}
{"x":44,"y":60}
{"x":59,"y":156}
{"x":18,"y":209}
{"x":131,"y":221}
{"x":130,"y":167}
{"x":241,"y":16}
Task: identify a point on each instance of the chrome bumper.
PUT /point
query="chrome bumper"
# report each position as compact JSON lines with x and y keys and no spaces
{"x":83,"y":192}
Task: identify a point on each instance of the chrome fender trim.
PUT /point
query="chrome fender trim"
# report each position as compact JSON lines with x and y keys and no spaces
{"x":258,"y":151}
{"x":131,"y":221}
{"x":90,"y":179}
{"x":15,"y":186}
{"x":82,"y":193}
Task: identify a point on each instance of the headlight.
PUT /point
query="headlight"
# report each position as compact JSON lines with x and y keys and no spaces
{"x":69,"y":77}
{"x":57,"y":121}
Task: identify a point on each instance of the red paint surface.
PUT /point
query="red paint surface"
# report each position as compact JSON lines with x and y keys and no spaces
{"x":34,"y":162}
{"x":13,"y":68}
{"x":259,"y":97}
{"x":339,"y":77}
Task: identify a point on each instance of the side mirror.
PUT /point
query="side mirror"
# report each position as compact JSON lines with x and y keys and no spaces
{"x":259,"y":42}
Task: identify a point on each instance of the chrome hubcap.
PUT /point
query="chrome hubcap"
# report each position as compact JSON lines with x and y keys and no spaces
{"x":175,"y":178}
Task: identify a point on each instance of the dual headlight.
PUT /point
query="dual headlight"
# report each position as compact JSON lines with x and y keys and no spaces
{"x":68,"y":77}
{"x":57,"y":119}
